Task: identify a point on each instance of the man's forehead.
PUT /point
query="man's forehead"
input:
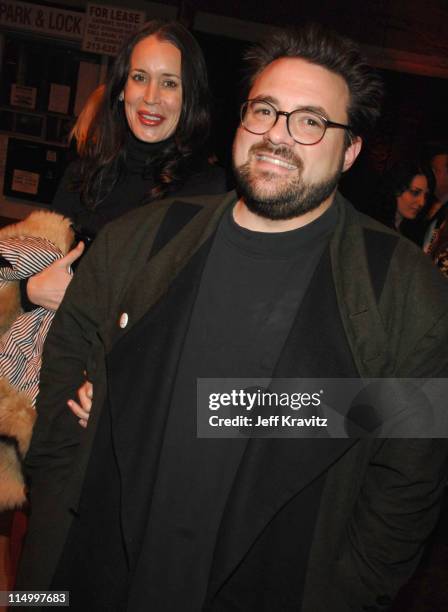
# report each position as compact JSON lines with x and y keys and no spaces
{"x":297,"y":82}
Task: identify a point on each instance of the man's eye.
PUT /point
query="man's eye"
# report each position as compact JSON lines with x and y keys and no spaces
{"x":262,"y":111}
{"x":308,"y":122}
{"x":311,"y":122}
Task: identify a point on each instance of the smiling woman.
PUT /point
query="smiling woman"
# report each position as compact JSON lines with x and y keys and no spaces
{"x":148,"y":136}
{"x":153,"y":92}
{"x":145,"y":141}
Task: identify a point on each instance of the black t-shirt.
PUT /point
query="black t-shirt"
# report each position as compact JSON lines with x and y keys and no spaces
{"x":252,"y":286}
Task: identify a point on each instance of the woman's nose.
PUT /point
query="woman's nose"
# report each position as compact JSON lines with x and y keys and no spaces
{"x":421,"y":199}
{"x":151,"y":94}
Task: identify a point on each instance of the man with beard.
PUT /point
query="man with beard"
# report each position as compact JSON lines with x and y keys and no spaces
{"x":283,"y":279}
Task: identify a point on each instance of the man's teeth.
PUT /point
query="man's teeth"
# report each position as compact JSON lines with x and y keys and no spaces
{"x":276,"y":161}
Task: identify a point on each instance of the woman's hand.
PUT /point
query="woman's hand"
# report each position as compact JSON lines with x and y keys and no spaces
{"x":82,"y":410}
{"x":48,"y":287}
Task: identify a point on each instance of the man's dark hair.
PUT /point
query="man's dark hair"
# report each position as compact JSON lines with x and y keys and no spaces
{"x":336,"y":53}
{"x":105,"y":152}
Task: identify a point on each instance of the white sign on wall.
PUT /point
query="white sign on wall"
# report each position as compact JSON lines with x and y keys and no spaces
{"x":107,"y":27}
{"x":22,"y":95}
{"x":59,"y":98}
{"x":42,"y":19}
{"x":25,"y":181}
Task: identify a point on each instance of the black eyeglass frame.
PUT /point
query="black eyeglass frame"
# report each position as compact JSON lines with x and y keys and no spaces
{"x":327,"y":122}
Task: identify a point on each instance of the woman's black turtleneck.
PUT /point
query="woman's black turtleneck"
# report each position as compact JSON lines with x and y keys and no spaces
{"x":139,"y":155}
{"x":131,"y":189}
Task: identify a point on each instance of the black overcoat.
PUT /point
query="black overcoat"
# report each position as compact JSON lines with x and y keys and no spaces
{"x":373,"y":292}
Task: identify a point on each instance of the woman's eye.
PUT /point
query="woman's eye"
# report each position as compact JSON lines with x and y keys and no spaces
{"x":169,"y":84}
{"x":137,"y":76}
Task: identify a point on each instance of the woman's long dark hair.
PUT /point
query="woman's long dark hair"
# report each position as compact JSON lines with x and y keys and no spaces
{"x":395,"y":181}
{"x":105,"y":155}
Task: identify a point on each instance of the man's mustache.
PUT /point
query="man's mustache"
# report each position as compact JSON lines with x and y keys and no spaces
{"x":281,"y":152}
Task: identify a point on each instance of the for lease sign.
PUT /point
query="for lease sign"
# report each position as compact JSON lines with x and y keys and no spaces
{"x":107,"y":27}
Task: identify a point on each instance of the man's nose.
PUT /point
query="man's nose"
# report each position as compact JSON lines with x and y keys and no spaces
{"x":279,"y":133}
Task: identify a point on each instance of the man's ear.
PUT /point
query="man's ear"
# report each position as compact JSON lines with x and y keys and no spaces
{"x":352,"y":152}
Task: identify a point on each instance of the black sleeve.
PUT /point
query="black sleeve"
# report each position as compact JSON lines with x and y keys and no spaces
{"x":67,"y":201}
{"x":25,"y":302}
{"x":50,"y":462}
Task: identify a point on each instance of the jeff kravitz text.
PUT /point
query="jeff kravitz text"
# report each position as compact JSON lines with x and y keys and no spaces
{"x":262,"y":401}
{"x":271,"y":421}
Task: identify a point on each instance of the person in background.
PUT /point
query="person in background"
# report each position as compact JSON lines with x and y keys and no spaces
{"x":437,"y":250}
{"x":405,"y":190}
{"x":438,"y":210}
{"x":26,"y":248}
{"x":147,"y":141}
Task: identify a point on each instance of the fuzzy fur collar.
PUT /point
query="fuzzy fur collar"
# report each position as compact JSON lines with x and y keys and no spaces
{"x":40,"y":224}
{"x":17,"y":415}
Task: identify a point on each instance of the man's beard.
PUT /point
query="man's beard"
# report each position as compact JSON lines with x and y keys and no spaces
{"x":291,"y":199}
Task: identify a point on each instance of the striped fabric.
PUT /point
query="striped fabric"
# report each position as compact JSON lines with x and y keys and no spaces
{"x":21,"y":346}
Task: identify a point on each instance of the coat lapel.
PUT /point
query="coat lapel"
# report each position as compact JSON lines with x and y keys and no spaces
{"x":356,"y":298}
{"x":156,"y":274}
{"x":156,"y":268}
{"x":159,"y":312}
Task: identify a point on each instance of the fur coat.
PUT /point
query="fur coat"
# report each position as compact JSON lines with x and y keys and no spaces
{"x":25,"y":248}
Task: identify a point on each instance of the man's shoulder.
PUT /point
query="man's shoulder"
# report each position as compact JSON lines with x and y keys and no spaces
{"x":408,"y":291}
{"x":389,"y":254}
{"x":377,"y":236}
{"x":404,"y":265}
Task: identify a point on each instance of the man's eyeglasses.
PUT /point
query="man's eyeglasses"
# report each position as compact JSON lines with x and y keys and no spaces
{"x":306,"y":127}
